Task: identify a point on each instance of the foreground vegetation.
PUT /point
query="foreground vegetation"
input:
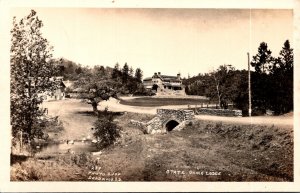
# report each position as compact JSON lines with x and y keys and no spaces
{"x":222,"y":152}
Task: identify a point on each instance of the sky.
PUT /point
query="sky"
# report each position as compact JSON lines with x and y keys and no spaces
{"x":170,"y":41}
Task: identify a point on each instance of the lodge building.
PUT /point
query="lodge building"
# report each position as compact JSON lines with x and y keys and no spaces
{"x":166,"y":84}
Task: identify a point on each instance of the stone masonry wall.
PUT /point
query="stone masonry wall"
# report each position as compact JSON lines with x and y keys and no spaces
{"x":219,"y":112}
{"x":157,"y":124}
{"x":179,"y":115}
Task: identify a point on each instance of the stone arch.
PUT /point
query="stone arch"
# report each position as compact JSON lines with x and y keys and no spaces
{"x":171,"y":124}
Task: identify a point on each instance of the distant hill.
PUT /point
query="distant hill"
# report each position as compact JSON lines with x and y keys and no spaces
{"x":72,"y":71}
{"x":67,"y":68}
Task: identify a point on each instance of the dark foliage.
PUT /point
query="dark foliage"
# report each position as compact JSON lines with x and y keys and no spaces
{"x":271,"y":83}
{"x":273,"y":88}
{"x":106,"y":131}
{"x":232,"y":86}
{"x":30,"y":76}
{"x":100,"y":83}
{"x":129,"y":84}
{"x":69,"y":69}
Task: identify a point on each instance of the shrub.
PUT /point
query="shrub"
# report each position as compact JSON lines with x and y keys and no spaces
{"x":106,"y":131}
{"x":81,"y":159}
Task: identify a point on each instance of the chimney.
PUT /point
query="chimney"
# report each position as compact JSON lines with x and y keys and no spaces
{"x":178,"y":76}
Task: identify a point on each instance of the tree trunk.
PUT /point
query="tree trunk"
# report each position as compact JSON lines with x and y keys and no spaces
{"x":218,"y":91}
{"x":21,"y":142}
{"x":94,"y":105}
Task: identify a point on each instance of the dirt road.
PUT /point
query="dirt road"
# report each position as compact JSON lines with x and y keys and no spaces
{"x":114,"y":105}
{"x":77,"y":121}
{"x":74,"y":116}
{"x":258,"y":120}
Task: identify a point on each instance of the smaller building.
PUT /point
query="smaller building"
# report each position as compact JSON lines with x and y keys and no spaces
{"x":59,"y":92}
{"x":164,"y":84}
{"x":69,"y":84}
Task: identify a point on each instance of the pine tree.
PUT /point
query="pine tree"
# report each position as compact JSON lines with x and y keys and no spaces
{"x":282,"y":81}
{"x":262,"y":59}
{"x":116,"y":71}
{"x":138,"y":74}
{"x":131,"y":71}
{"x":125,"y":73}
{"x":261,"y":85}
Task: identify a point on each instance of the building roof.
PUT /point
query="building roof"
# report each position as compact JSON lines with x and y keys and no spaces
{"x":162,"y":77}
{"x":62,"y":84}
{"x":167,"y":77}
{"x":148,"y":78}
{"x":68,"y":83}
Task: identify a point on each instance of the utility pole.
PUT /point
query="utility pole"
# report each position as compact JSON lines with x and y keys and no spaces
{"x":249,"y":84}
{"x":21,"y":141}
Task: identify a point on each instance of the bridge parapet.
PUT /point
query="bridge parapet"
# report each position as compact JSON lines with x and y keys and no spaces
{"x":168,"y":120}
{"x":180,"y":115}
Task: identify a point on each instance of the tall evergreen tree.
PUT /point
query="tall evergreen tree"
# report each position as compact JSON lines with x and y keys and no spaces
{"x":131,"y":71}
{"x":125,"y":73}
{"x":261,"y":85}
{"x":138,"y":74}
{"x":262,"y":59}
{"x":116,"y":71}
{"x":282,"y":81}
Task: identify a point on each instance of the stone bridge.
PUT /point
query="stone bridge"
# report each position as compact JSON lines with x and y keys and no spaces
{"x":166,"y":120}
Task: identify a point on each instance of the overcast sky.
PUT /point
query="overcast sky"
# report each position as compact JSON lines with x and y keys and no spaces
{"x":189,"y":41}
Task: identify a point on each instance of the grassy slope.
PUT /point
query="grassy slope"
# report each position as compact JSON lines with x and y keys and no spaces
{"x":239,"y":152}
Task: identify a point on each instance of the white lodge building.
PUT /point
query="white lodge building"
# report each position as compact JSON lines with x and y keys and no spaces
{"x":164,"y":84}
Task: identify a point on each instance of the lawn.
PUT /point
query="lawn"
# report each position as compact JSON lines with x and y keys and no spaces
{"x":155,"y":102}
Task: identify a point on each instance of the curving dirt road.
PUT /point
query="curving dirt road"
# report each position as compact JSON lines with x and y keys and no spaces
{"x":78,"y":123}
{"x":114,"y":105}
{"x":73,"y":114}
